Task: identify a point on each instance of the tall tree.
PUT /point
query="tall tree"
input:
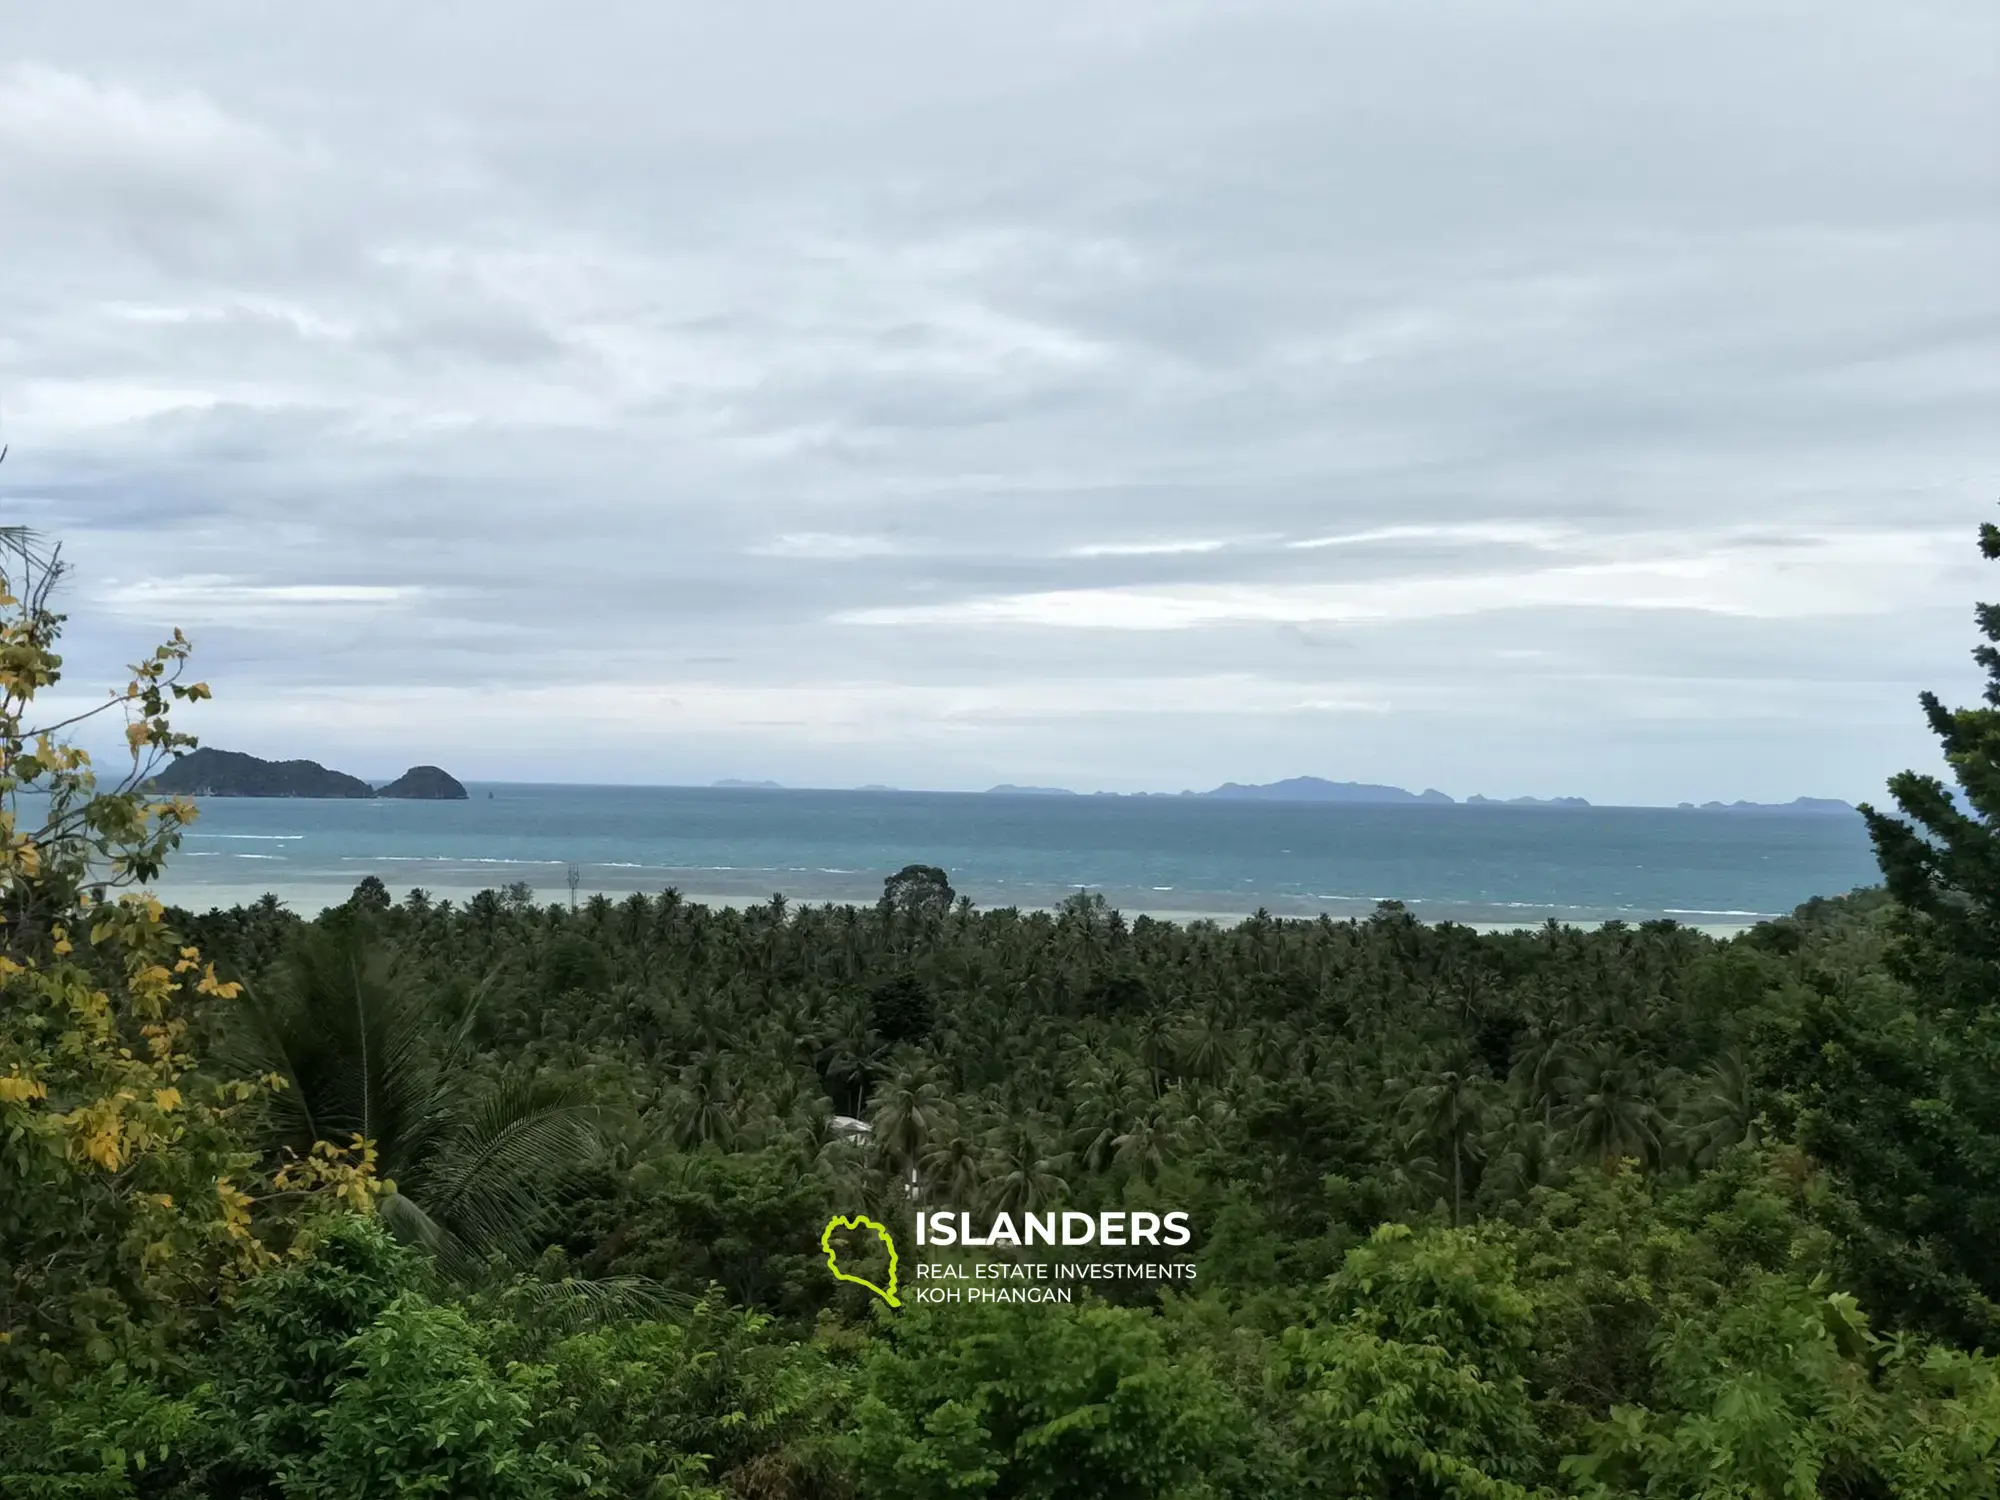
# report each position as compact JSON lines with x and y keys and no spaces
{"x":922,"y":891}
{"x":908,"y":1112}
{"x":1943,"y":864}
{"x":1447,"y":1115}
{"x":1899,"y":1090}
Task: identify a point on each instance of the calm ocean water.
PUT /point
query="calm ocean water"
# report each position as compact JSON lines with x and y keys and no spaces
{"x":1170,"y":857}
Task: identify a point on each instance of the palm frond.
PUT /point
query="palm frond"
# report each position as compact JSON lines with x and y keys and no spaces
{"x":577,"y":1303}
{"x":349,"y":1037}
{"x":365,"y":1049}
{"x":515,"y":1153}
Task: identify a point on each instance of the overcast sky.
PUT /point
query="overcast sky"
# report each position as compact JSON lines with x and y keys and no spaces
{"x":1536,"y":397}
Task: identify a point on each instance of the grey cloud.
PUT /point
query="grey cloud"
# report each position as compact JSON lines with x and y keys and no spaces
{"x":648,"y":351}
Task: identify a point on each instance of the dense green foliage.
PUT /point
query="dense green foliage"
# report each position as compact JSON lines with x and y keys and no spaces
{"x":521,"y":1200}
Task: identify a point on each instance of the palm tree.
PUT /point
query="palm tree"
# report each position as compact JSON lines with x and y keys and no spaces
{"x":1521,"y":1154}
{"x":1157,"y":1048}
{"x":1205,"y":1047}
{"x":1269,"y":1047}
{"x":1103,"y":1103}
{"x":1449,"y":1111}
{"x":475,"y":1169}
{"x":704,"y":1105}
{"x":851,"y":1061}
{"x":1614,"y":1110}
{"x":1021,"y":1176}
{"x":951,"y":1167}
{"x":1722,"y":1110}
{"x":1197,"y":1115}
{"x":1413,"y":1179}
{"x":1542,"y":1053}
{"x":908,"y":1110}
{"x":1143,"y":1149}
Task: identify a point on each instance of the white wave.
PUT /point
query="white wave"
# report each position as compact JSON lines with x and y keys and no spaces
{"x":444,"y":859}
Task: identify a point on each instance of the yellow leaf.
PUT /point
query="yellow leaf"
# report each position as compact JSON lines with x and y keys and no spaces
{"x":210,"y":985}
{"x":168,"y":1100}
{"x":15,"y":1089}
{"x":104,"y":1149}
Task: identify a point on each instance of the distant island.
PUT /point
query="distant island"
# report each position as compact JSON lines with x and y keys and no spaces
{"x":231,"y":773}
{"x":1365,"y":793}
{"x":1796,"y":805}
{"x":1295,"y":789}
{"x":747,"y":786}
{"x":1313,"y":789}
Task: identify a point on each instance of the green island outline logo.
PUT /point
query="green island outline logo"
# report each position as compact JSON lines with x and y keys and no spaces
{"x":861,"y":1221}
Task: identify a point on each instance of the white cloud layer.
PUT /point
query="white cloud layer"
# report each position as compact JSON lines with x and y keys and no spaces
{"x":1864,"y":573}
{"x":1517,"y":397}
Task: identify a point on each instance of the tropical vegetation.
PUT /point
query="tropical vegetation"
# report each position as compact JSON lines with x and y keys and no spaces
{"x":513,"y":1199}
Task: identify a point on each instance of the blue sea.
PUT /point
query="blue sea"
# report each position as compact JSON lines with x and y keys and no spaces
{"x":1171,"y":857}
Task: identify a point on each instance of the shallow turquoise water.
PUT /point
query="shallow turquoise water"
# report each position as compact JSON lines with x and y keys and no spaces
{"x":1165,"y":855}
